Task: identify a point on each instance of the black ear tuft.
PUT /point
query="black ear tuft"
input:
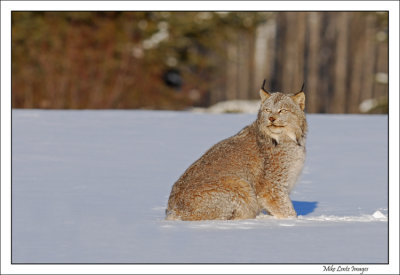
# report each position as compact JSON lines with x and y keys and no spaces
{"x":263,"y":85}
{"x":302,"y":88}
{"x":263,"y":93}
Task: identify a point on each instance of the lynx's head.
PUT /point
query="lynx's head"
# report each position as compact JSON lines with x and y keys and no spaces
{"x":281,"y":116}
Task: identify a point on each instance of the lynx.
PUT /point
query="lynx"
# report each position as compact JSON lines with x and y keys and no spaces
{"x":252,"y":171}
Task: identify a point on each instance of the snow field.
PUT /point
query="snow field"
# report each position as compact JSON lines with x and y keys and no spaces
{"x":92,"y":186}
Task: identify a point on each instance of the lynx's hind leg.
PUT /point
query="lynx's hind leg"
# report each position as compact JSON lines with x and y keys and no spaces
{"x":227,"y":199}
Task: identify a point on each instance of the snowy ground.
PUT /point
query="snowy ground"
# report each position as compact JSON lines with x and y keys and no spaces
{"x":92,"y":186}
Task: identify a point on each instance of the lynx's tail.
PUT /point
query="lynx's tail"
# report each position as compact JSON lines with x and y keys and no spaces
{"x":170,"y":215}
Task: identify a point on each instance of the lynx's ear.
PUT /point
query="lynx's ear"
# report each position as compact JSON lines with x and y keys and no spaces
{"x":300,"y":98}
{"x":263,"y":93}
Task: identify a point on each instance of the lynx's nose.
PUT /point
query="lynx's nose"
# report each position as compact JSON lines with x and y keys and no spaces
{"x":272,"y":119}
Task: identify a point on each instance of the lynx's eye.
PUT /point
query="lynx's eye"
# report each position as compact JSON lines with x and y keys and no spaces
{"x":268,"y":110}
{"x":282,"y":111}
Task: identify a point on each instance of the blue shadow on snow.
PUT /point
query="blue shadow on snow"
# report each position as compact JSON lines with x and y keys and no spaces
{"x":304,"y":207}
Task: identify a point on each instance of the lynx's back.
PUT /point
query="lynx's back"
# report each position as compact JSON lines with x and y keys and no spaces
{"x":252,"y":171}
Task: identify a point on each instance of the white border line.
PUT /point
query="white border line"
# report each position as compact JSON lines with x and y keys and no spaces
{"x":7,"y":7}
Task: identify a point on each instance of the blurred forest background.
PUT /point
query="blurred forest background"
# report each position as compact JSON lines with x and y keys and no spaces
{"x":177,"y":60}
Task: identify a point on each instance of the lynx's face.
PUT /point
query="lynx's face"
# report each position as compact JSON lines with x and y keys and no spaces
{"x":282,"y":115}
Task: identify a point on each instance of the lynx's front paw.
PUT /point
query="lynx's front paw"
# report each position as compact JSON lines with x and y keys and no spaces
{"x":281,"y":208}
{"x":291,"y":215}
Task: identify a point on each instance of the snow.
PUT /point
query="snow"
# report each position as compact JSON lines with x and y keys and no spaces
{"x":231,"y":106}
{"x":92,"y":187}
